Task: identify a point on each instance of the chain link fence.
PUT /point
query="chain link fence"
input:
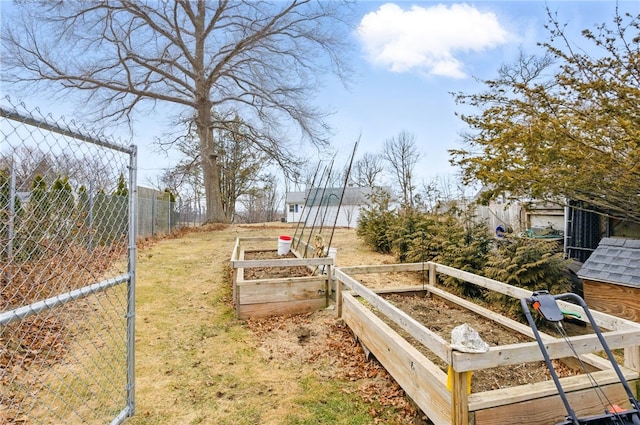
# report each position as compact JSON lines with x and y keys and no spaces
{"x":159,"y":214}
{"x":67,"y":272}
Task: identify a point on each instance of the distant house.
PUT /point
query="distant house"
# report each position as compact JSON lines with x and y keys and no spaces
{"x":611,"y":278}
{"x":577,"y":226}
{"x":328,"y":206}
{"x":527,"y":218}
{"x":294,"y":203}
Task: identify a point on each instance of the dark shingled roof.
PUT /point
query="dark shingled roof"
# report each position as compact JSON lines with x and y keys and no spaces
{"x":616,"y":260}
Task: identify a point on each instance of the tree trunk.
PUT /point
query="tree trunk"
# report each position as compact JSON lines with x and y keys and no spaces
{"x":210,"y":169}
{"x":208,"y":151}
{"x":211,"y":174}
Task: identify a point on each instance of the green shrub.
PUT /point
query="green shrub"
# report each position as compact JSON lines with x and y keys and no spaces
{"x":464,"y":246}
{"x":454,"y":240}
{"x":374,"y":222}
{"x":529,"y":264}
{"x":408,"y":226}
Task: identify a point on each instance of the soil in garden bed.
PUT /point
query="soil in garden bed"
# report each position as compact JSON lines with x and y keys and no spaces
{"x":273,"y":272}
{"x":441,"y":317}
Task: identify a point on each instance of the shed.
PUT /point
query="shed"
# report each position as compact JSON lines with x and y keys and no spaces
{"x":611,"y":278}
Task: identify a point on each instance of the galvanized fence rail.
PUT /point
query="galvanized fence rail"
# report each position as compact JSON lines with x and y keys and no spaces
{"x":67,"y":272}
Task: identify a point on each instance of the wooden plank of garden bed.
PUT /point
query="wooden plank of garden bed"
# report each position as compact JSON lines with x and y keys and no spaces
{"x":304,"y":245}
{"x":269,"y":281}
{"x":282,"y":262}
{"x":260,"y":243}
{"x":614,"y":339}
{"x":286,"y":289}
{"x":422,"y":380}
{"x":235,"y":254}
{"x":281,"y":308}
{"x":307,"y":248}
{"x":484,"y":312}
{"x":504,"y":355}
{"x":385,"y":268}
{"x":548,"y":409}
{"x":532,"y":350}
{"x":512,"y":395}
{"x":239,"y":278}
{"x":431,"y":340}
{"x":632,"y":358}
{"x":603,"y":320}
{"x":260,"y":239}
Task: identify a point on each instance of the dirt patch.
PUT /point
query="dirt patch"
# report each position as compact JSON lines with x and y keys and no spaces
{"x":273,"y":272}
{"x":442,"y":317}
{"x":327,"y":344}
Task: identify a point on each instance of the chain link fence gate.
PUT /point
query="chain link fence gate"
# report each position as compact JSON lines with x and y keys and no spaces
{"x":67,"y":273}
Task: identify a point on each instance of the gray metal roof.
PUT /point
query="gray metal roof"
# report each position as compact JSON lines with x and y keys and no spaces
{"x":330,"y":196}
{"x":615,"y":260}
{"x":295,"y":197}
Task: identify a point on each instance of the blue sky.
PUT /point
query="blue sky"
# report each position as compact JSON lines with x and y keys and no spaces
{"x":409,"y":57}
{"x":413,"y":54}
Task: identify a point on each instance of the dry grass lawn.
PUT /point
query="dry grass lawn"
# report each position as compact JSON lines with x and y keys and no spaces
{"x":197,"y":364}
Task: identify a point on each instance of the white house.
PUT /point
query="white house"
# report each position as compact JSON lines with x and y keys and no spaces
{"x":294,"y":203}
{"x":318,"y":206}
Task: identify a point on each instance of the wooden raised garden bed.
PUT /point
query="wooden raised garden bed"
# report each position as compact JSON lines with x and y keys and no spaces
{"x":267,"y":284}
{"x":444,"y":397}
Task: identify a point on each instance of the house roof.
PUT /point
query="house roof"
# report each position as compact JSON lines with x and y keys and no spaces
{"x":615,"y":260}
{"x":330,"y":196}
{"x":295,"y":197}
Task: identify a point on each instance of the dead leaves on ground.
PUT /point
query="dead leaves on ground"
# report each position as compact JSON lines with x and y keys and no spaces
{"x":328,"y":340}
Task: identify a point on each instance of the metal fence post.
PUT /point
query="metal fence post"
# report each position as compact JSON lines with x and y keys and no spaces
{"x":90,"y":214}
{"x":133,"y":198}
{"x":12,"y":213}
{"x":153,"y":215}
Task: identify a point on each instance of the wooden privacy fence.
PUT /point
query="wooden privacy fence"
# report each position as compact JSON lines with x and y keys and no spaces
{"x":282,"y":295}
{"x":423,"y":381}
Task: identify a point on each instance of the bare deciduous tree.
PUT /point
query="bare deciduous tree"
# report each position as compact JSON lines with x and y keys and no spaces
{"x":367,"y":170}
{"x":261,"y":203}
{"x":29,"y":161}
{"x":185,"y":178}
{"x":260,"y":59}
{"x":240,"y":166}
{"x":401,"y":154}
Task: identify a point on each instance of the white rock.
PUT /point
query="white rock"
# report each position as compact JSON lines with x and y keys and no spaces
{"x":464,"y":338}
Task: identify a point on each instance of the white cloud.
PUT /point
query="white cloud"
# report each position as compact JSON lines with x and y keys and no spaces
{"x":427,"y":39}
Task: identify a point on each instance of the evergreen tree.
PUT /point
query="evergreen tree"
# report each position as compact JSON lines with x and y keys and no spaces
{"x":375,"y":220}
{"x":464,"y":246}
{"x":82,"y":216}
{"x":527,"y":263}
{"x":62,"y":206}
{"x":407,"y":234}
{"x":38,"y":223}
{"x":122,"y":189}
